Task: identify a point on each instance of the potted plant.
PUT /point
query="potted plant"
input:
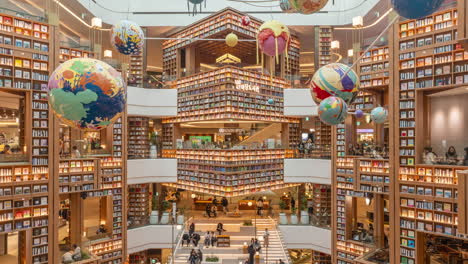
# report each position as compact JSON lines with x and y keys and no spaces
{"x":293,"y":216}
{"x":165,"y":206}
{"x":212,"y":259}
{"x":153,"y":145}
{"x":304,"y":212}
{"x":180,"y":216}
{"x":283,"y":219}
{"x":154,"y":217}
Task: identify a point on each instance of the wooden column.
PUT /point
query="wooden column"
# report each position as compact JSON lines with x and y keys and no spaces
{"x":463,"y":202}
{"x":379,"y":219}
{"x":462,"y":7}
{"x":76,"y":218}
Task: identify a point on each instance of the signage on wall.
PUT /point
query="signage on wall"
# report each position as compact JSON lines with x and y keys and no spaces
{"x":246,"y":87}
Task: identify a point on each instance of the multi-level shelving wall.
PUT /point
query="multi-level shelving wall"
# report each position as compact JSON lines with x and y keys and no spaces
{"x":220,"y":24}
{"x":323,"y":136}
{"x":138,"y":138}
{"x":25,"y":192}
{"x":429,"y":59}
{"x":231,"y":172}
{"x":70,"y":53}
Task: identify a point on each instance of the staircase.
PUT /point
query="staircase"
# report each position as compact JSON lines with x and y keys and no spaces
{"x":239,"y":235}
{"x":267,"y":132}
{"x":275,"y":250}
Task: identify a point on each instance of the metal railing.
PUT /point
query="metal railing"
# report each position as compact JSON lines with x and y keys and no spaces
{"x":281,"y":237}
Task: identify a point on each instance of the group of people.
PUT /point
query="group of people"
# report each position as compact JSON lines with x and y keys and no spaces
{"x":211,"y":210}
{"x":210,"y":238}
{"x":196,"y":256}
{"x":367,"y":149}
{"x":451,"y":157}
{"x":255,"y":246}
{"x":72,"y":255}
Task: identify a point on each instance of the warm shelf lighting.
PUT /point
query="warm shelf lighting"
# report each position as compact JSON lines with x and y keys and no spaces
{"x":350,"y":53}
{"x":358,"y":22}
{"x":108,"y":54}
{"x":335,"y":44}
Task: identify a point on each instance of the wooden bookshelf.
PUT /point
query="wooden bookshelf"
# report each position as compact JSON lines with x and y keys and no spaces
{"x":321,"y":203}
{"x":325,"y":36}
{"x":136,"y":73}
{"x":320,"y":258}
{"x":70,"y":53}
{"x":230,"y":172}
{"x":373,"y":176}
{"x":138,"y":138}
{"x":138,"y":203}
{"x":429,"y":59}
{"x":230,"y":93}
{"x":323,"y":135}
{"x":77,"y":175}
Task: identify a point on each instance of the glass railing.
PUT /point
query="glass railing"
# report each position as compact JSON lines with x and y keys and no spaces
{"x":313,"y":153}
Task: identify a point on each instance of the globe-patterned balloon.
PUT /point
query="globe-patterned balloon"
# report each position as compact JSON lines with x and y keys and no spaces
{"x":308,"y":6}
{"x":359,"y":113}
{"x":127,"y":37}
{"x":286,"y":7}
{"x":245,"y":21}
{"x":333,"y":110}
{"x":332,"y":80}
{"x":415,"y":9}
{"x":271,"y":101}
{"x":273,"y":38}
{"x":87,"y":94}
{"x":379,"y":115}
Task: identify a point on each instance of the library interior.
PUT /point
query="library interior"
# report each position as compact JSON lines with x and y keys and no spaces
{"x":234,"y":132}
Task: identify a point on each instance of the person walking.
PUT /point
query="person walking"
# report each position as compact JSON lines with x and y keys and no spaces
{"x":251,"y":251}
{"x":266,"y":238}
{"x":196,"y":239}
{"x":193,"y":257}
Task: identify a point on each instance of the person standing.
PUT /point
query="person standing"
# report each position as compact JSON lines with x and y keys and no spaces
{"x":76,"y":253}
{"x":207,"y":241}
{"x":266,"y":238}
{"x":191,"y":229}
{"x":293,"y":203}
{"x":259,"y":206}
{"x":213,"y":239}
{"x":225,"y":203}
{"x":196,"y":239}
{"x":200,"y":256}
{"x":251,"y":251}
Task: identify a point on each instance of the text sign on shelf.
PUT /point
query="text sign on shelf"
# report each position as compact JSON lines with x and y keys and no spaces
{"x":246,"y":86}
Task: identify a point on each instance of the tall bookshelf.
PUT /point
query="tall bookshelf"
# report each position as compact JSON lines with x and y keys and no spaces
{"x":138,"y":203}
{"x":323,"y":135}
{"x":325,"y":36}
{"x":138,"y":138}
{"x":135,"y":77}
{"x":429,"y":59}
{"x":25,"y":197}
{"x":321,"y":202}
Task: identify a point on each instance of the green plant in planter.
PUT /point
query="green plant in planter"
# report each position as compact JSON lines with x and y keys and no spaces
{"x":304,"y":203}
{"x":282,"y":206}
{"x":212,"y":259}
{"x":165,"y":205}
{"x":248,"y":223}
{"x":293,"y":210}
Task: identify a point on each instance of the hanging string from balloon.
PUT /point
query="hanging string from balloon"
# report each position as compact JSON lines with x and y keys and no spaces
{"x":370,"y":46}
